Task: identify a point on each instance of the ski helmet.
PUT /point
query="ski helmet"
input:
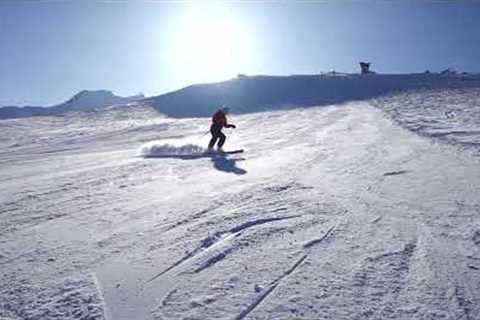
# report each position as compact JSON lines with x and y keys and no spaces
{"x":225,"y":109}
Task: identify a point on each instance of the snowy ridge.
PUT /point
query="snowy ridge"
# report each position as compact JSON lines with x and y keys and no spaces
{"x":263,"y":93}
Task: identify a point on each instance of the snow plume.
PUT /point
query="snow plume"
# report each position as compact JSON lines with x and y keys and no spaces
{"x":171,"y":149}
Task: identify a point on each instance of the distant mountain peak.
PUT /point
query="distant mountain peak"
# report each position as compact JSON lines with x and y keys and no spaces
{"x":85,"y":100}
{"x":88,"y":94}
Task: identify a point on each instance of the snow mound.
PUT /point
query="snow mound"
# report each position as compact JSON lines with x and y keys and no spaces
{"x":449,"y":115}
{"x":169,"y":149}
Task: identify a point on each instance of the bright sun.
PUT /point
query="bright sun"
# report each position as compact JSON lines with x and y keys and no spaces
{"x":210,"y":43}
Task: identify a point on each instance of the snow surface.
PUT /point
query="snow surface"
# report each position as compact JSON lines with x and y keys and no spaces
{"x":333,"y":212}
{"x":447,"y":115}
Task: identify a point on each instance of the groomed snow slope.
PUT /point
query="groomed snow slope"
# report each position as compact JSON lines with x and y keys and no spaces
{"x":332,"y":212}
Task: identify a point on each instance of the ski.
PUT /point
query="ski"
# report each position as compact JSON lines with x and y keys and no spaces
{"x":226,"y":152}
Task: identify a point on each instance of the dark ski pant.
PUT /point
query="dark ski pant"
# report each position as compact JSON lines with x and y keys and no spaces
{"x":216,"y":132}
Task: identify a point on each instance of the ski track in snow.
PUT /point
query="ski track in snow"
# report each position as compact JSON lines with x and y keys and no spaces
{"x":331,"y":213}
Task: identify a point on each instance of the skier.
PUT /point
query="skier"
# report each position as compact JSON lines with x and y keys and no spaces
{"x":219,"y":121}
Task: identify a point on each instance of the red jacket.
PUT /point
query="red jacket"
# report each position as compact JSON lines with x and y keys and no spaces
{"x":220,"y":119}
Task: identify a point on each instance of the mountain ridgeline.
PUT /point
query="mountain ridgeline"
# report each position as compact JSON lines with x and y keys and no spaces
{"x":247,"y":94}
{"x":85,"y":100}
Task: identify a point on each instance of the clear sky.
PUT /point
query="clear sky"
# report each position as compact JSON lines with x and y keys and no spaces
{"x":50,"y":50}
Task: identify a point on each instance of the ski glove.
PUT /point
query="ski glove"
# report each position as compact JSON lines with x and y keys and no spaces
{"x":232,"y":126}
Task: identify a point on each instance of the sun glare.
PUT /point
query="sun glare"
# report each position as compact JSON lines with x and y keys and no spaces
{"x":209,"y":43}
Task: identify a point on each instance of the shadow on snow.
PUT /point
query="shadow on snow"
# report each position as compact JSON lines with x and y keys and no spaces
{"x":221,"y":162}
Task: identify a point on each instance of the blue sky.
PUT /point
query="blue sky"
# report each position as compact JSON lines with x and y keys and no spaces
{"x":50,"y":50}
